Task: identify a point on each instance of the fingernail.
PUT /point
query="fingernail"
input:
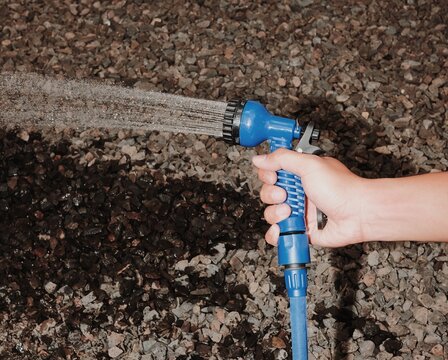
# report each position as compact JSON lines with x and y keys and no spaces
{"x":258,"y":159}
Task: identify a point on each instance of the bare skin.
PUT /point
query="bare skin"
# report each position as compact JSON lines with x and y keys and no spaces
{"x":412,"y":208}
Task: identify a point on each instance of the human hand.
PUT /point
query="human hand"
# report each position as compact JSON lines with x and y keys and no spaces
{"x":328,"y":185}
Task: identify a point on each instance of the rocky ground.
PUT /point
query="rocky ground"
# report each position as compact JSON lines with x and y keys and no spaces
{"x":126,"y":245}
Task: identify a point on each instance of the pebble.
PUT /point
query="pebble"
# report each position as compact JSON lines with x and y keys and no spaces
{"x":373,"y":258}
{"x":278,"y":342}
{"x":437,"y":350}
{"x":220,"y":315}
{"x":23,"y":135}
{"x":408,"y":64}
{"x":366,"y":348}
{"x":352,"y":347}
{"x":114,"y":339}
{"x":155,"y":348}
{"x":281,"y":82}
{"x":426,"y":300}
{"x":357,"y":334}
{"x":432,"y":339}
{"x":372,"y":85}
{"x":420,"y":314}
{"x":213,"y":335}
{"x":114,"y":352}
{"x":342,"y":98}
{"x":87,"y":299}
{"x":383,"y":150}
{"x":236,"y":263}
{"x":296,"y":81}
{"x":369,"y":278}
{"x":50,"y":287}
{"x":149,"y":315}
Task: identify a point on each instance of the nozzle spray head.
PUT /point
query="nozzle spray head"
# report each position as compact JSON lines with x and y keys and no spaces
{"x":248,"y":123}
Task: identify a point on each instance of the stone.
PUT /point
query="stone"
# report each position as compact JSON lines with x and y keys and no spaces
{"x":342,"y":98}
{"x":436,"y":84}
{"x":114,"y":339}
{"x":236,"y":263}
{"x":373,"y":258}
{"x":281,"y":82}
{"x":409,"y":64}
{"x":150,"y":314}
{"x":155,"y":348}
{"x":114,"y":352}
{"x":213,"y":335}
{"x":23,"y":135}
{"x":432,"y":339}
{"x":421,"y":314}
{"x":418,"y":331}
{"x":383,"y":150}
{"x":352,"y":347}
{"x":369,"y":278}
{"x":366,"y":348}
{"x":437,"y":350}
{"x":372,"y":85}
{"x":357,"y":334}
{"x":296,"y":81}
{"x":50,"y":287}
{"x":278,"y":342}
{"x":87,"y":299}
{"x":426,"y":300}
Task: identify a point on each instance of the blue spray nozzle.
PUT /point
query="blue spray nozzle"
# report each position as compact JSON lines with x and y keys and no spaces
{"x":250,"y":124}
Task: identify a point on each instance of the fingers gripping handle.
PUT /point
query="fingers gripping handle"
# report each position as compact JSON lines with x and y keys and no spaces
{"x":293,"y":241}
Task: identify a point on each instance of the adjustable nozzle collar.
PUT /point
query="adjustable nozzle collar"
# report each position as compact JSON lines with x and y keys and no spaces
{"x":232,"y":121}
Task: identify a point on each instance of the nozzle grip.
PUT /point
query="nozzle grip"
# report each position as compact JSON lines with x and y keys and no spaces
{"x":293,"y":247}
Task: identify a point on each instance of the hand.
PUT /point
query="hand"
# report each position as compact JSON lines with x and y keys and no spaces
{"x":328,"y":185}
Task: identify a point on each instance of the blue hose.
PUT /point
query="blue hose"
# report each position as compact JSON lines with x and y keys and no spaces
{"x":298,"y":328}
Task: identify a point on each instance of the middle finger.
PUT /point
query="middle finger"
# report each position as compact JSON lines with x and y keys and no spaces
{"x":271,"y":194}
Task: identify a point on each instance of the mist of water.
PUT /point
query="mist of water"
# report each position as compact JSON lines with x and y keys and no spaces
{"x":30,"y":99}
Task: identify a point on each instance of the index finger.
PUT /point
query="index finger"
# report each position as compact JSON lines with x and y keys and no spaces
{"x":286,"y":160}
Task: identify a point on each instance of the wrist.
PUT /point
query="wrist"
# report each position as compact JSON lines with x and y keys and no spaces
{"x":384,"y":210}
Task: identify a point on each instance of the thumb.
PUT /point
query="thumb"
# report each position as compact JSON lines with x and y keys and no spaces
{"x":287,"y":160}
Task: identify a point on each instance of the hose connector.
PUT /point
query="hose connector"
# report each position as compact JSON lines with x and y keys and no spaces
{"x":296,"y":280}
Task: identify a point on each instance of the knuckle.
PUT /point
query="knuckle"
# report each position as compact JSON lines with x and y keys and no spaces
{"x":263,"y":176}
{"x":329,"y":160}
{"x":279,"y":153}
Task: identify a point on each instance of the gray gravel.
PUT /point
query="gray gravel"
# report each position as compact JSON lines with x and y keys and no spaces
{"x":373,"y":75}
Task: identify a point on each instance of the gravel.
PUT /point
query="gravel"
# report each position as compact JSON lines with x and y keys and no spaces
{"x":155,"y":240}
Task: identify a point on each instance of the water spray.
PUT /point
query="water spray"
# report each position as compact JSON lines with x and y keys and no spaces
{"x":44,"y":101}
{"x":248,"y":123}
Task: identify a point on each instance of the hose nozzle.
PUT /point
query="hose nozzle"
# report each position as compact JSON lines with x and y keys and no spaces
{"x":248,"y":123}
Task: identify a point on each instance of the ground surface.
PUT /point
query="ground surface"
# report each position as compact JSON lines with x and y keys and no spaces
{"x":105,"y":253}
